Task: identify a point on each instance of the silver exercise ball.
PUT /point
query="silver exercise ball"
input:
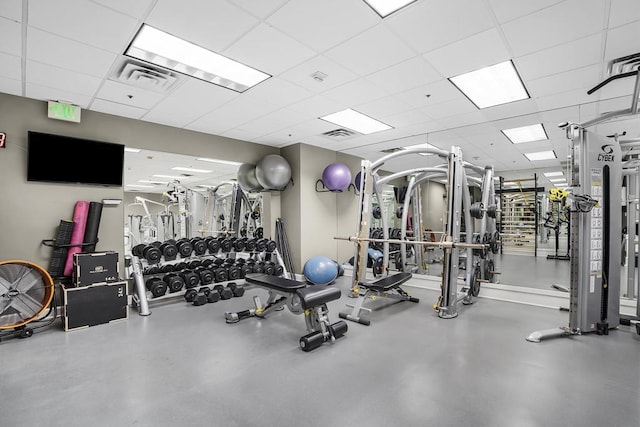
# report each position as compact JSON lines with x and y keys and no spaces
{"x":273,"y":172}
{"x":247,"y":178}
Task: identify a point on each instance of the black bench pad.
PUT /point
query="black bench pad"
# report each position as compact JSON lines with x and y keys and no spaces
{"x":313,"y":296}
{"x":389,"y":282}
{"x":280,"y":284}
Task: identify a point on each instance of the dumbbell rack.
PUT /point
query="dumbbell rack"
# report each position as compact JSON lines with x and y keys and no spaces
{"x":211,"y":261}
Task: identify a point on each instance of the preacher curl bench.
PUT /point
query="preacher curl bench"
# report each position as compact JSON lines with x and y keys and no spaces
{"x":299,"y":298}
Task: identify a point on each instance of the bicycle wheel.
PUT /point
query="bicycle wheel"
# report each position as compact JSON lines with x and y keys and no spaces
{"x":26,"y":290}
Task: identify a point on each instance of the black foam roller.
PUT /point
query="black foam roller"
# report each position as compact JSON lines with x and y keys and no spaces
{"x":93,"y":224}
{"x":60,"y":248}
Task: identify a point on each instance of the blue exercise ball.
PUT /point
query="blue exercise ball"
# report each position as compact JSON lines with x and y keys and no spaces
{"x":273,"y":172}
{"x":336,"y":177}
{"x":320,"y":270}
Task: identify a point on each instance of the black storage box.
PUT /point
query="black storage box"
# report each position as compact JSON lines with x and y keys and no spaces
{"x":95,"y":305}
{"x":95,"y":267}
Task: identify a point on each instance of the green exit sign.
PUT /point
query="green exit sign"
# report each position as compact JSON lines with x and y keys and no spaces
{"x":62,"y":111}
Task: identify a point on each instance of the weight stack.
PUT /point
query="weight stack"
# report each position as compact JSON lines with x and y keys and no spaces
{"x":60,"y":248}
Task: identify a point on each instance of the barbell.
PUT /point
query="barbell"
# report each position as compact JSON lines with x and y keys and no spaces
{"x":440,"y":244}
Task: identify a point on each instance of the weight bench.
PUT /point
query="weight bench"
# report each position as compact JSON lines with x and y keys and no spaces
{"x":299,"y":298}
{"x":387,"y":287}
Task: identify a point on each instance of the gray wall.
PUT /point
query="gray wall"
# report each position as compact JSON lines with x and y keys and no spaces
{"x":32,"y":211}
{"x":314,"y":218}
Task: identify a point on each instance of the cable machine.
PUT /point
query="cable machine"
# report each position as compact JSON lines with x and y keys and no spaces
{"x":596,"y":206}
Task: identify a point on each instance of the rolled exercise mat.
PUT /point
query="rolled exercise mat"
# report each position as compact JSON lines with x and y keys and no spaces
{"x":91,"y":229}
{"x":80,"y":213}
{"x":60,"y":248}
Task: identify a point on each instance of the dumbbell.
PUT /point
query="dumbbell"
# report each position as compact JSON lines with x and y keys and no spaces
{"x":180,"y":266}
{"x":154,"y":269}
{"x":149,"y":252}
{"x":185,"y":248}
{"x":213,"y":245}
{"x":258,"y":233}
{"x":224,"y":291}
{"x":238,"y":290}
{"x":225,"y":244}
{"x":190,"y":294}
{"x":278,"y":270}
{"x":199,"y":245}
{"x":271,"y":246}
{"x":220,"y":275}
{"x":212,"y":296}
{"x":206,"y":275}
{"x":269,"y":268}
{"x":194,"y":264}
{"x":157,"y":286}
{"x":169,"y":250}
{"x":167,"y":268}
{"x":191,"y":279}
{"x":261,"y":245}
{"x":245,"y":269}
{"x":239,"y":244}
{"x":258,"y":267}
{"x":233,"y":272}
{"x":174,"y":282}
{"x":250,"y":245}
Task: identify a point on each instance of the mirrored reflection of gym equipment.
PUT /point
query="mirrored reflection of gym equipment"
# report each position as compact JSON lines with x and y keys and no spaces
{"x":596,"y":206}
{"x":557,"y":217}
{"x":450,"y":242}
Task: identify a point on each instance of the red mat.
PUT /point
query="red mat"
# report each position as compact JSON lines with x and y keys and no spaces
{"x":80,"y":213}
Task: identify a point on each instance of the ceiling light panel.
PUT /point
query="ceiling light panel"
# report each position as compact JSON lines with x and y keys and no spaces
{"x":224,"y":162}
{"x":548,"y":174}
{"x":385,"y":8}
{"x":356,"y":121}
{"x":194,"y":170}
{"x":541,"y":155}
{"x":557,"y":180}
{"x":490,"y":86}
{"x":526,"y":133}
{"x":163,"y":49}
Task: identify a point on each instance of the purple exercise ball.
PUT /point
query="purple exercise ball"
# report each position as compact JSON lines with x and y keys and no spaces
{"x":336,"y":177}
{"x":357,"y":180}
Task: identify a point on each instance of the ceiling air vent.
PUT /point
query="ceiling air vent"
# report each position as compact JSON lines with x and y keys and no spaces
{"x":339,"y":134}
{"x":145,"y":76}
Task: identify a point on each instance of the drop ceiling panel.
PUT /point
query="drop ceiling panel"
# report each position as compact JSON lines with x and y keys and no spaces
{"x":569,"y":56}
{"x":11,"y":66}
{"x":623,"y":12}
{"x":450,"y":108}
{"x":276,"y":93}
{"x":272,"y":122}
{"x":10,"y":37}
{"x":563,"y":99}
{"x":507,"y":10}
{"x":47,"y":75}
{"x":112,"y":32}
{"x":472,"y":53}
{"x":323,"y":24}
{"x":10,"y":86}
{"x":623,"y":41}
{"x":234,"y":113}
{"x":117,"y":109}
{"x":356,"y":92}
{"x":512,"y":109}
{"x":561,"y":23}
{"x":426,"y":127}
{"x":371,"y":51}
{"x":317,"y":106}
{"x":615,"y":89}
{"x":48,"y":93}
{"x":464,"y":119}
{"x":429,"y":25}
{"x":128,"y":95}
{"x":188,"y":102}
{"x":215,"y":25}
{"x":383,"y":107}
{"x":301,"y":75}
{"x":269,"y":50}
{"x":431,"y":94}
{"x":580,"y":78}
{"x":406,"y":118}
{"x":11,"y":9}
{"x":261,"y":9}
{"x":69,"y":54}
{"x":406,"y":75}
{"x":136,"y":9}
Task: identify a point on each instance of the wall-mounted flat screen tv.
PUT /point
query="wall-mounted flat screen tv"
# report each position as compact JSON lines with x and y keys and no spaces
{"x":64,"y":159}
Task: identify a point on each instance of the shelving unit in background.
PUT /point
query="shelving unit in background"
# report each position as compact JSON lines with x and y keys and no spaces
{"x":518,"y":222}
